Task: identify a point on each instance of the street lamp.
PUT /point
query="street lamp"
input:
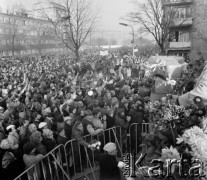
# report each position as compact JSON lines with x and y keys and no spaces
{"x":123,"y":24}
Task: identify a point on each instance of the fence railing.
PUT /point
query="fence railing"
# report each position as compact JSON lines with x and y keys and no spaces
{"x":136,"y":133}
{"x":71,"y":158}
{"x":79,"y":158}
{"x":51,"y":167}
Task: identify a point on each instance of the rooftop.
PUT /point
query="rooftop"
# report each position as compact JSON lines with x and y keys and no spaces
{"x":176,"y":2}
{"x":22,"y":15}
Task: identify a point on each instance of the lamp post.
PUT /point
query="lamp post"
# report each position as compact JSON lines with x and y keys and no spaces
{"x":123,"y":24}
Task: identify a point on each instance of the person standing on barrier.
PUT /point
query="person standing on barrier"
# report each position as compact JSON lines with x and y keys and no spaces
{"x":108,"y":164}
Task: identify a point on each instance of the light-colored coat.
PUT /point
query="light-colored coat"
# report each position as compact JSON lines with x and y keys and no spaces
{"x":200,"y":90}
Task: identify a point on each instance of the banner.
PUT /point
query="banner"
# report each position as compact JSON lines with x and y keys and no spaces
{"x":104,"y":53}
{"x":136,"y":50}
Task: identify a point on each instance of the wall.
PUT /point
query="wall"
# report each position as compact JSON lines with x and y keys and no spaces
{"x":199,"y":29}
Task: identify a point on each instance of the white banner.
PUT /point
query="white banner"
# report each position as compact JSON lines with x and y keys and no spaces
{"x":104,"y":53}
{"x":136,"y":50}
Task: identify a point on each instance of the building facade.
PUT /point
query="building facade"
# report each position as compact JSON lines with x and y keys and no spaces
{"x":186,"y":31}
{"x":23,"y":35}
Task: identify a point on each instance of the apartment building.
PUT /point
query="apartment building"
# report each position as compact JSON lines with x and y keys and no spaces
{"x":23,"y":35}
{"x":187,"y":29}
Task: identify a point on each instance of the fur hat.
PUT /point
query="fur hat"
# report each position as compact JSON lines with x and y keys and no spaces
{"x":110,"y":147}
{"x":42,"y":125}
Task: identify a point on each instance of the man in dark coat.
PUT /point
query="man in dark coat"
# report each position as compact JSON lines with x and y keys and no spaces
{"x":108,"y":164}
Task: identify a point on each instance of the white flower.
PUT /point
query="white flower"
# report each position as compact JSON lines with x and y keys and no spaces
{"x":171,"y":82}
{"x":179,"y":140}
{"x":170,"y":153}
{"x":204,"y":124}
{"x":197,"y":140}
{"x":121,"y":164}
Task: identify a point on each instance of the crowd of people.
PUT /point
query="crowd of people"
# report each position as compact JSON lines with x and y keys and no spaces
{"x":46,"y":101}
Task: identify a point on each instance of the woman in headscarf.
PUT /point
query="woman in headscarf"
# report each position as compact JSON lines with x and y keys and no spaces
{"x":36,"y":141}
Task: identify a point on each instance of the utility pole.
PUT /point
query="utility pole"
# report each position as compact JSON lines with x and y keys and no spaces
{"x":123,"y":24}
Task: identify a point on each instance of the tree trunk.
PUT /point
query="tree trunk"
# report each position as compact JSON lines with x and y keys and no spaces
{"x":77,"y":55}
{"x":162,"y":49}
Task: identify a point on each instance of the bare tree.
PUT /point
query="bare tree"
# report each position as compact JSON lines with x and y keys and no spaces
{"x":155,"y":20}
{"x":73,"y":23}
{"x":200,"y":22}
{"x":14,"y":36}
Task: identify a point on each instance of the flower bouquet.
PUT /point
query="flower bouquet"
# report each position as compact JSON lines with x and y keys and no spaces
{"x":169,"y":121}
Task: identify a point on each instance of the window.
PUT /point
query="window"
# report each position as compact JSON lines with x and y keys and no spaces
{"x":184,"y":36}
{"x":2,"y":19}
{"x":1,"y":31}
{"x":176,"y":36}
{"x":188,"y":12}
{"x":21,"y":42}
{"x":183,"y":13}
{"x":12,"y":21}
{"x":6,"y":20}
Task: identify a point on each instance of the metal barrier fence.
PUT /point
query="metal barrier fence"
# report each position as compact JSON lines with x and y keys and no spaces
{"x":68,"y":159}
{"x":79,"y":158}
{"x":72,"y":158}
{"x":136,"y":133}
{"x":51,"y":167}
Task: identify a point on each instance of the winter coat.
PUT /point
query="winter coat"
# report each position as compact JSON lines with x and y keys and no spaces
{"x":78,"y":135}
{"x":30,"y":160}
{"x":50,"y":144}
{"x":2,"y":135}
{"x":11,"y":164}
{"x":108,"y":167}
{"x":41,"y":149}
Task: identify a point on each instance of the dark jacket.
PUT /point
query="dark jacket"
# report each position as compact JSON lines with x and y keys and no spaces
{"x":78,"y":135}
{"x":108,"y":167}
{"x":15,"y":166}
{"x":68,"y":130}
{"x":2,"y":135}
{"x":41,"y":149}
{"x":137,"y":115}
{"x":49,"y":144}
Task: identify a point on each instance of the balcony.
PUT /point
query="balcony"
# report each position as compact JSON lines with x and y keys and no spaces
{"x":184,"y":22}
{"x":180,"y":45}
{"x":176,"y":2}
